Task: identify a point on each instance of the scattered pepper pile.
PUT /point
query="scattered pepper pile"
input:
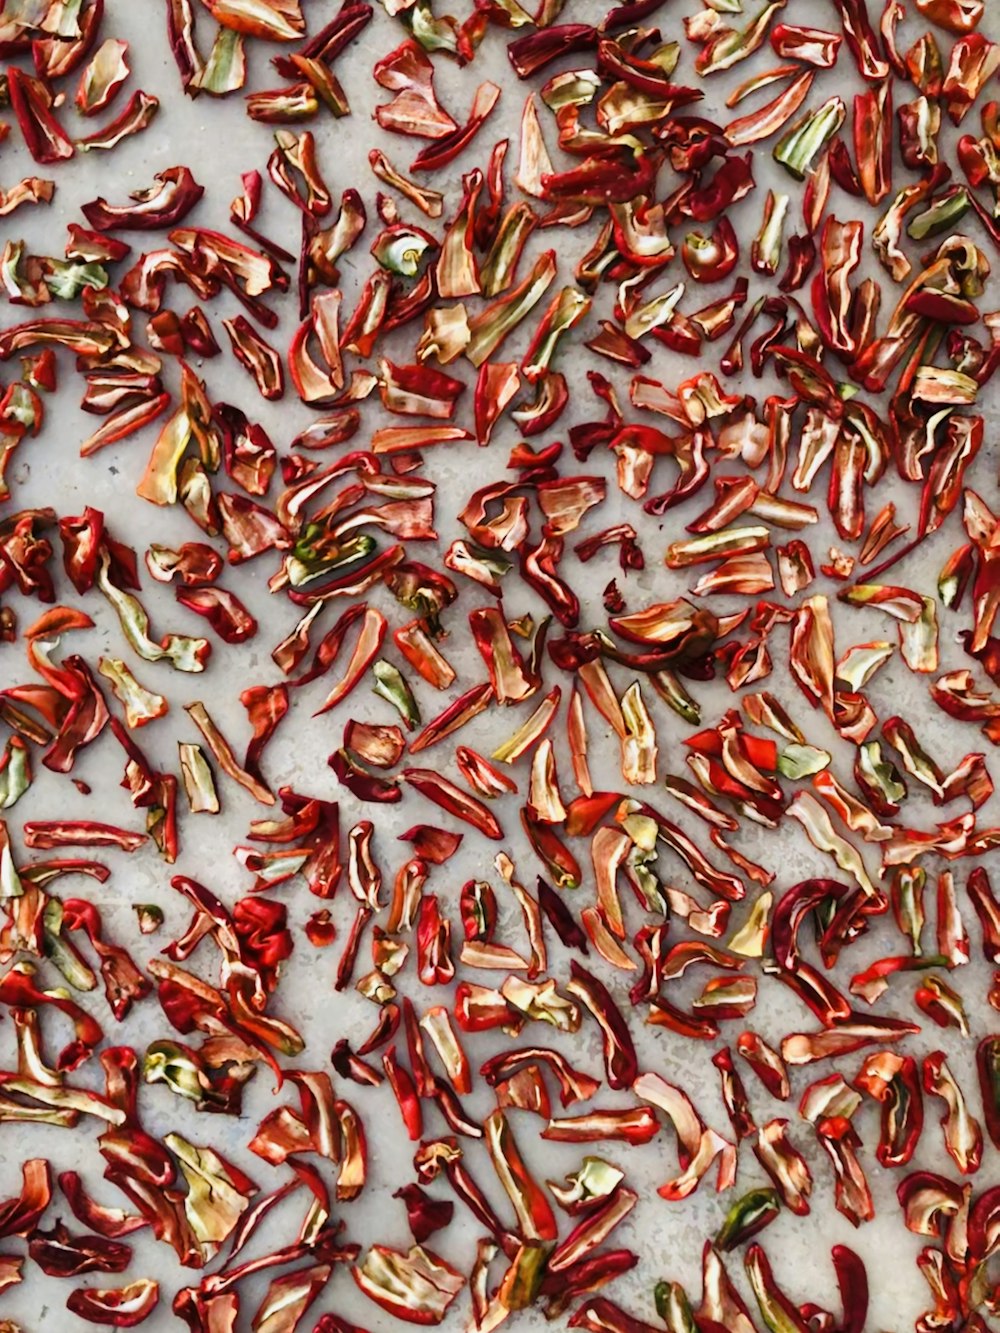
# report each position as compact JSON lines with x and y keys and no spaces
{"x":759,"y":366}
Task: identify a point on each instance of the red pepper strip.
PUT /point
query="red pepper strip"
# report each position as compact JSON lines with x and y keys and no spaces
{"x":161,"y":205}
{"x":955,"y":16}
{"x":123,"y":982}
{"x":873,"y":141}
{"x":124,"y":423}
{"x":123,"y":1307}
{"x":85,"y":338}
{"x":982,"y":1225}
{"x":852,"y":1281}
{"x":256,"y":356}
{"x":21,"y":1215}
{"x":769,"y":118}
{"x":973,"y":63}
{"x":330,"y":41}
{"x":534,"y":1212}
{"x":478,"y":906}
{"x":643,"y":75}
{"x":734,"y":1094}
{"x":55,"y":56}
{"x":718,"y":317}
{"x":987,"y":909}
{"x":988,"y":1069}
{"x":564,"y":1286}
{"x":330,"y":645}
{"x":664,"y":1014}
{"x":136,"y":117}
{"x":223,"y":610}
{"x":44,"y":137}
{"x":424,"y":1214}
{"x":432,"y":844}
{"x":861,"y":39}
{"x":636,"y":1126}
{"x":417,"y":1287}
{"x":785,"y":1165}
{"x":602,"y":1316}
{"x":775,"y":1307}
{"x":405,"y":1093}
{"x":444,"y":793}
{"x":351,"y":584}
{"x":180,"y":33}
{"x":481,"y":775}
{"x":801,"y":259}
{"x":842,"y":168}
{"x":560,"y":918}
{"x":574,"y":1085}
{"x":444,"y":1154}
{"x":894,"y":1081}
{"x":800,"y":1048}
{"x":615,"y":180}
{"x":534,"y":51}
{"x":418,"y":390}
{"x":433,"y":938}
{"x":840,"y":252}
{"x":929,"y":1202}
{"x":409,"y":73}
{"x":963,"y":1138}
{"x":826,"y":1002}
{"x":561,"y":862}
{"x":18,"y":989}
{"x":621,"y":1063}
{"x":711,"y":259}
{"x":512,"y":682}
{"x":111,"y":1223}
{"x":47,"y":833}
{"x":649,"y":942}
{"x":384,"y":1030}
{"x":422,"y":1078}
{"x":732,"y":181}
{"x":447,"y":148}
{"x":716,"y":881}
{"x":370,"y":638}
{"x":852,"y":1195}
{"x":945,"y":475}
{"x":223,"y":753}
{"x":813,"y":45}
{"x":81,"y":538}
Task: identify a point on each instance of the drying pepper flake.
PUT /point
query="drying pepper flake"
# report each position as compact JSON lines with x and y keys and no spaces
{"x":121,"y":1307}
